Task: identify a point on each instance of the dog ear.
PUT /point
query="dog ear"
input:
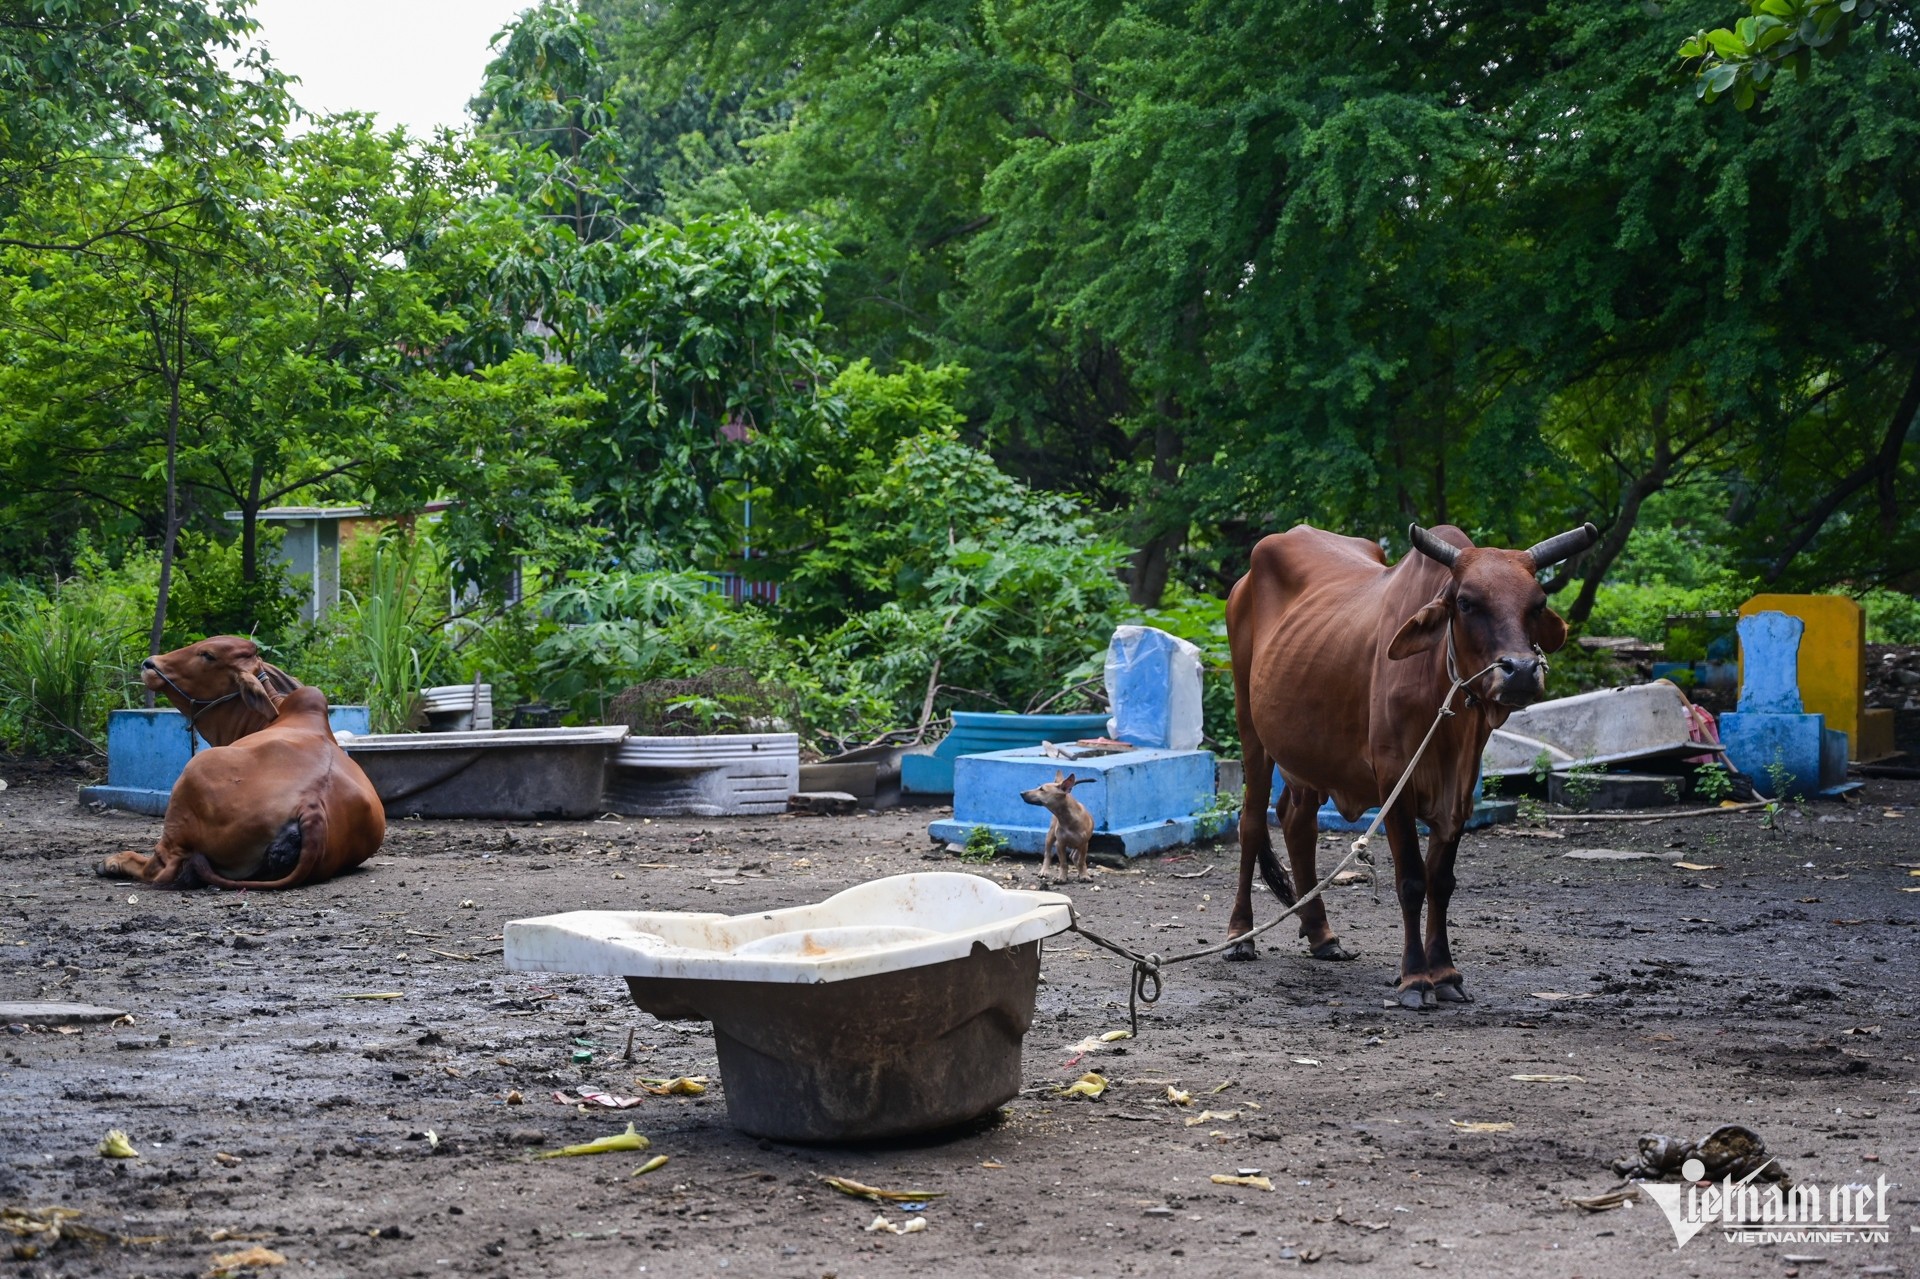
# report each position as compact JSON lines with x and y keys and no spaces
{"x":1058,"y":777}
{"x":1422,"y":631}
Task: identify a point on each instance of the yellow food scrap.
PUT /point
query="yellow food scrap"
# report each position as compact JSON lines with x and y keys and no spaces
{"x":1091,"y":1084}
{"x":1258,"y":1183}
{"x":654,"y":1164}
{"x":1213,"y":1116}
{"x":116,"y":1146}
{"x":1179,"y":1097}
{"x":628,"y":1140}
{"x":684,"y":1086}
{"x":860,"y":1190}
{"x":247,"y":1259}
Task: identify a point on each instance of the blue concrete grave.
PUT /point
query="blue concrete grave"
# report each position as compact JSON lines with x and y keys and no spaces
{"x":1158,"y":794}
{"x":1771,"y":732}
{"x":148,"y":749}
{"x":1140,"y":800}
{"x":978,"y":731}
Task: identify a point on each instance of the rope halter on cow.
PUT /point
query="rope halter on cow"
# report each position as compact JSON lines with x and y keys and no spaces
{"x":201,"y":704}
{"x":1146,"y":985}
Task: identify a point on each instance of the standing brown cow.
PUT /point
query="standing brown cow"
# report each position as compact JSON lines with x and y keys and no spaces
{"x":1339,"y":666}
{"x":275,"y":803}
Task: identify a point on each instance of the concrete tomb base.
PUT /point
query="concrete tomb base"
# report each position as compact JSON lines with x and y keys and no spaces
{"x":1141,"y":800}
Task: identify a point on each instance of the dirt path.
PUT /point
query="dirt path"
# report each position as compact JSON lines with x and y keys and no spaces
{"x":1776,"y":989}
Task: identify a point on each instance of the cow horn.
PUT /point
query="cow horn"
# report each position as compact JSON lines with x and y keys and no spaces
{"x":1432,"y":547}
{"x":1564,"y":546}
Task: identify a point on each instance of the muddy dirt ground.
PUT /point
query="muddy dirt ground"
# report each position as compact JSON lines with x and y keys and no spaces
{"x":1777,"y":989}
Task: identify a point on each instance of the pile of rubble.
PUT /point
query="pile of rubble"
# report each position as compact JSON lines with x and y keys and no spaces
{"x":1893,"y":676}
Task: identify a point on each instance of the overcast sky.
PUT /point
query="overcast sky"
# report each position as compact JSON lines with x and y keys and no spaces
{"x":411,"y":62}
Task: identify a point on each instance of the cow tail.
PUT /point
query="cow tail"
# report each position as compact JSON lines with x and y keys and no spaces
{"x":313,"y":846}
{"x":1274,"y":874}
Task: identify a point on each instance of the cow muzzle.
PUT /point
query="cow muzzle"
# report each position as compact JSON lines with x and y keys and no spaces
{"x":150,"y":676}
{"x":1518,"y":681}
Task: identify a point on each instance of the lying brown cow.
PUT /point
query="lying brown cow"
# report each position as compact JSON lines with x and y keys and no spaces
{"x":1339,"y":666}
{"x":276,"y":802}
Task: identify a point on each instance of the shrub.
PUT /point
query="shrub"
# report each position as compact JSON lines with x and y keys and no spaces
{"x":64,"y":661}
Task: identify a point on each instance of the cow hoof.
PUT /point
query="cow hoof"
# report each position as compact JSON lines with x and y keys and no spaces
{"x":1451,"y":993}
{"x":1416,"y":999}
{"x":1243,"y":950}
{"x":1332,"y":951}
{"x":107,"y":870}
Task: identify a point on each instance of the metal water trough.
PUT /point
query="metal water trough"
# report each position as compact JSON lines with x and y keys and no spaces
{"x":524,"y":773}
{"x":714,"y":775}
{"x":891,"y":1009}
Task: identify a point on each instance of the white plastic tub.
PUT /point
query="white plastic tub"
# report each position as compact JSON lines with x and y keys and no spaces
{"x":895,"y":1007}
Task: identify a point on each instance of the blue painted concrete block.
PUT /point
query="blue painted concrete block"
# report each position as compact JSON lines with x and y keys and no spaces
{"x":1140,"y":800}
{"x":1802,"y":744}
{"x":976,"y":731}
{"x":1153,"y":686}
{"x":148,"y":749}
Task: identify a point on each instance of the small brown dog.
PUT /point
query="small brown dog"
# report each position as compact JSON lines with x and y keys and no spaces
{"x":1072,"y":828}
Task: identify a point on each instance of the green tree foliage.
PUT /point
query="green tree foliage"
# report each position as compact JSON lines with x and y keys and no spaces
{"x":1740,"y":61}
{"x":299,"y":353}
{"x":81,"y":76}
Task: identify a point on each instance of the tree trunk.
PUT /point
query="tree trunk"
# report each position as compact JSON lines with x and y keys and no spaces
{"x":1153,"y":562}
{"x":172,"y":533}
{"x":1878,"y":470}
{"x":1602,"y":556}
{"x":250,"y":528}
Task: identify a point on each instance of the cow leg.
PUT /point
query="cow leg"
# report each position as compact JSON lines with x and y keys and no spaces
{"x":1300,"y":825}
{"x":1447,"y":982}
{"x":161,"y":868}
{"x":1255,"y":841}
{"x":1410,"y":881}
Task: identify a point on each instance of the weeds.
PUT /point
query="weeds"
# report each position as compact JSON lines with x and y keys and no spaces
{"x":1581,"y":783}
{"x":1712,"y":782}
{"x":60,"y":664}
{"x":982,"y":846}
{"x":396,"y":644}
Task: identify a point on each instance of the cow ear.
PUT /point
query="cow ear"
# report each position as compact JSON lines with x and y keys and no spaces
{"x":1422,"y":631}
{"x":277,"y":681}
{"x":255,"y":697}
{"x":1549,"y":631}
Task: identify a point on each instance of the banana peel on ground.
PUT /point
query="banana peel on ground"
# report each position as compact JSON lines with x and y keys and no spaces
{"x":860,"y":1190}
{"x":684,"y":1086}
{"x":254,"y":1258}
{"x":1089,"y":1085}
{"x":628,"y":1140}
